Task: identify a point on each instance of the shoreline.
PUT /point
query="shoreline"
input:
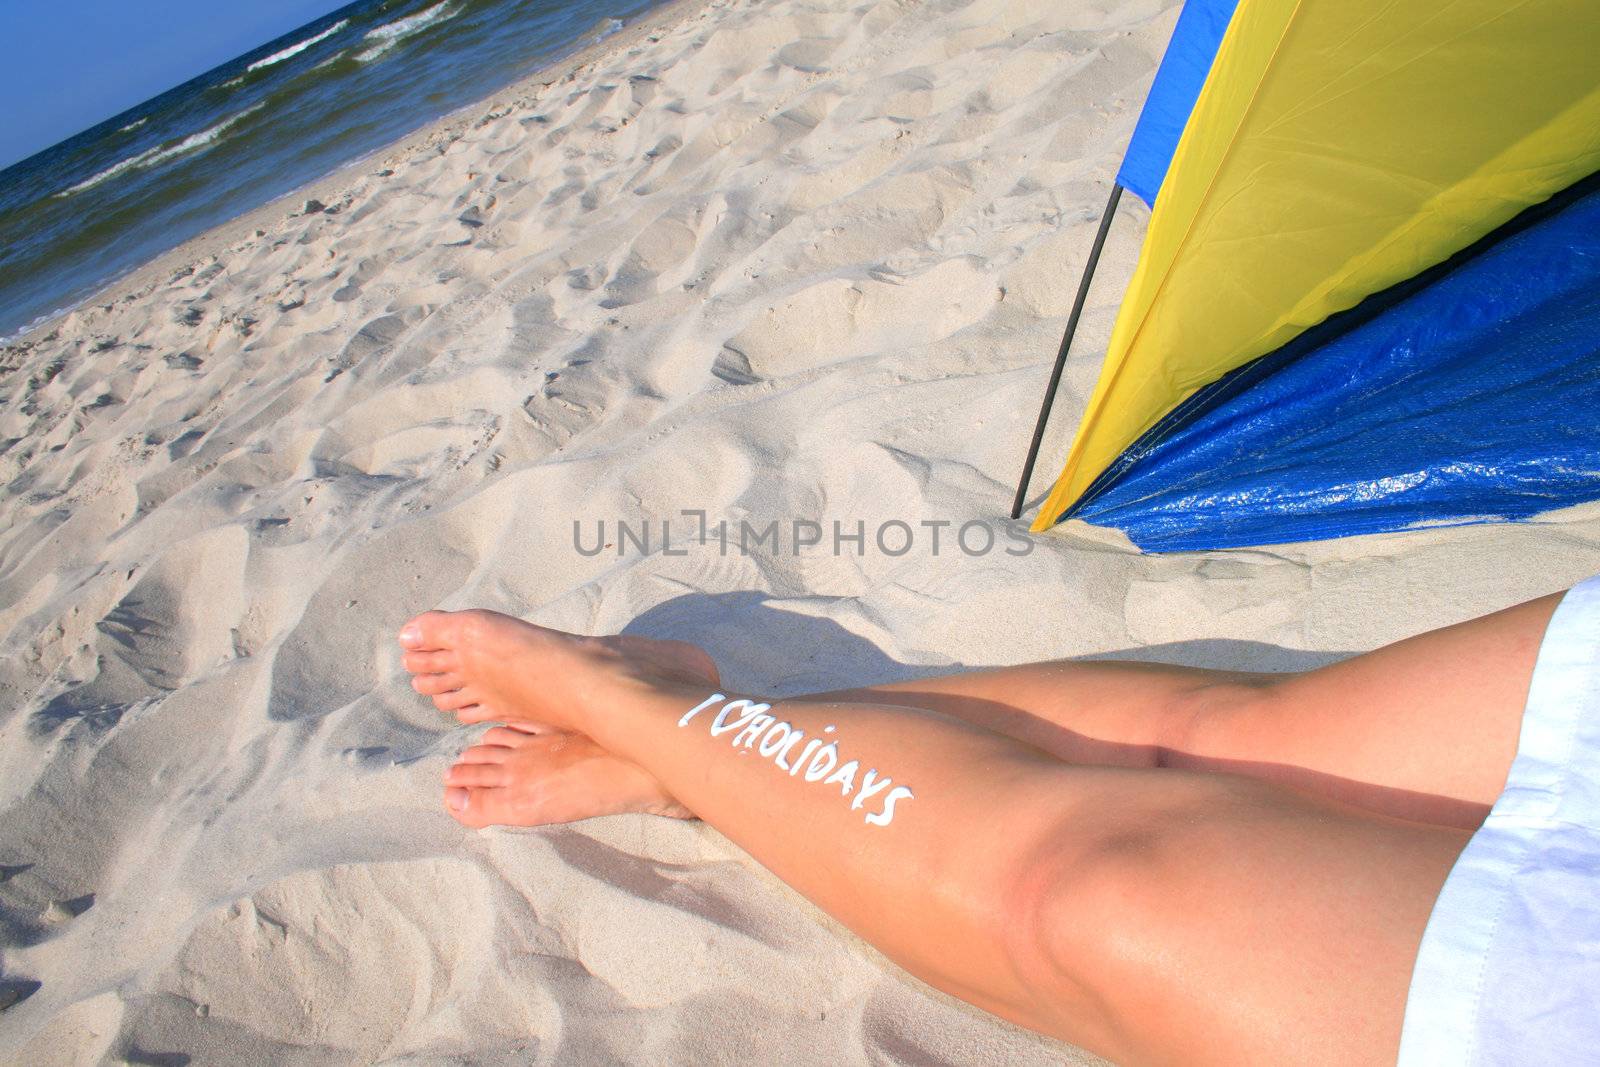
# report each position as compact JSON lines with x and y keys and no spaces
{"x":437,"y":133}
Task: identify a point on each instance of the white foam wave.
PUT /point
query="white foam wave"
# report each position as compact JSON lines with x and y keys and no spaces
{"x":37,"y":321}
{"x":159,"y":154}
{"x":295,"y":49}
{"x":605,"y":28}
{"x":387,"y":36}
{"x":134,"y":125}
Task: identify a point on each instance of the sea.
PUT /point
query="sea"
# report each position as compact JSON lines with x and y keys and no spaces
{"x":84,"y":212}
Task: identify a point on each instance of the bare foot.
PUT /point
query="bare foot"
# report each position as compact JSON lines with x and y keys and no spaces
{"x":514,"y":777}
{"x":483,"y":666}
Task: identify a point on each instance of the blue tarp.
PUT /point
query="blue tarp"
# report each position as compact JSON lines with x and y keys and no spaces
{"x":1177,"y":85}
{"x":1470,"y":395}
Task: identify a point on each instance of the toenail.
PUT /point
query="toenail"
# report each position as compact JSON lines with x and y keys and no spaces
{"x":410,"y":634}
{"x":457,"y":800}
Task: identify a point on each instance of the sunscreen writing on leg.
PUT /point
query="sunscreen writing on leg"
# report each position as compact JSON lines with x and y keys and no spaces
{"x":773,"y":739}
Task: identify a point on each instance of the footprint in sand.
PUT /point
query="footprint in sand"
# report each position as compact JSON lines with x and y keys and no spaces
{"x":376,"y":338}
{"x":174,"y":622}
{"x":840,"y":319}
{"x":649,"y":266}
{"x":808,"y":55}
{"x":299,"y":933}
{"x":571,"y":398}
{"x":365,"y":270}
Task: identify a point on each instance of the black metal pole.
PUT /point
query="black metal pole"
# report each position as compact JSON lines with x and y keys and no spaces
{"x":1066,"y":343}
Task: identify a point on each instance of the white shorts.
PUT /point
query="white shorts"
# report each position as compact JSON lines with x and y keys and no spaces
{"x":1509,"y":967}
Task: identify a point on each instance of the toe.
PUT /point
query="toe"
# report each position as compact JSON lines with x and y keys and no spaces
{"x":474,"y":714}
{"x":431,"y":662}
{"x":479,"y":807}
{"x":508,"y":737}
{"x":455,"y":700}
{"x":430,"y":685}
{"x":458,"y":801}
{"x":485,"y":754}
{"x":477,"y":774}
{"x":428,"y":632}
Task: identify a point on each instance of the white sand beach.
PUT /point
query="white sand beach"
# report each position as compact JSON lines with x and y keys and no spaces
{"x":776,"y":261}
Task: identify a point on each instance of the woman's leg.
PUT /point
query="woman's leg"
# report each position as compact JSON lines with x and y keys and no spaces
{"x":1149,"y":915}
{"x":1423,"y":729}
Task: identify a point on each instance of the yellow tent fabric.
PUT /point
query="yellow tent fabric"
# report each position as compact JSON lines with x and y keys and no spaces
{"x":1337,"y":147}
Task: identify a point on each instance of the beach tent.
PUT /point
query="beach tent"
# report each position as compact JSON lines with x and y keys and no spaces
{"x":1368,"y":298}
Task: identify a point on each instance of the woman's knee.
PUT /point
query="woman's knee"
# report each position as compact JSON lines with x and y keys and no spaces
{"x":1095,"y":927}
{"x":1223,"y":720}
{"x":1102,"y":912}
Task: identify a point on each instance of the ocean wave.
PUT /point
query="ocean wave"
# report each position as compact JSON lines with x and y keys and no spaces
{"x":134,"y":125}
{"x":295,"y":49}
{"x":387,"y":36}
{"x":37,"y":321}
{"x":331,"y":60}
{"x":603,"y":29}
{"x":160,"y":154}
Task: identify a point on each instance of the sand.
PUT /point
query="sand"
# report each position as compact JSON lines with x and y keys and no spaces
{"x":802,"y":259}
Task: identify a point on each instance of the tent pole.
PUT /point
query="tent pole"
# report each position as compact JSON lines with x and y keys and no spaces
{"x":1066,"y":343}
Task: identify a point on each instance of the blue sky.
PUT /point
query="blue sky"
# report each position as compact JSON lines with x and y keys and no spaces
{"x":68,"y":64}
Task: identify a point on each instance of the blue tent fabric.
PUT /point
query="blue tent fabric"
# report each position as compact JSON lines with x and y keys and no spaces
{"x":1183,"y":71}
{"x":1473,"y":395}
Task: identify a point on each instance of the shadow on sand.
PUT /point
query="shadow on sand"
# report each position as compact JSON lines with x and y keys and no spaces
{"x":776,"y":646}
